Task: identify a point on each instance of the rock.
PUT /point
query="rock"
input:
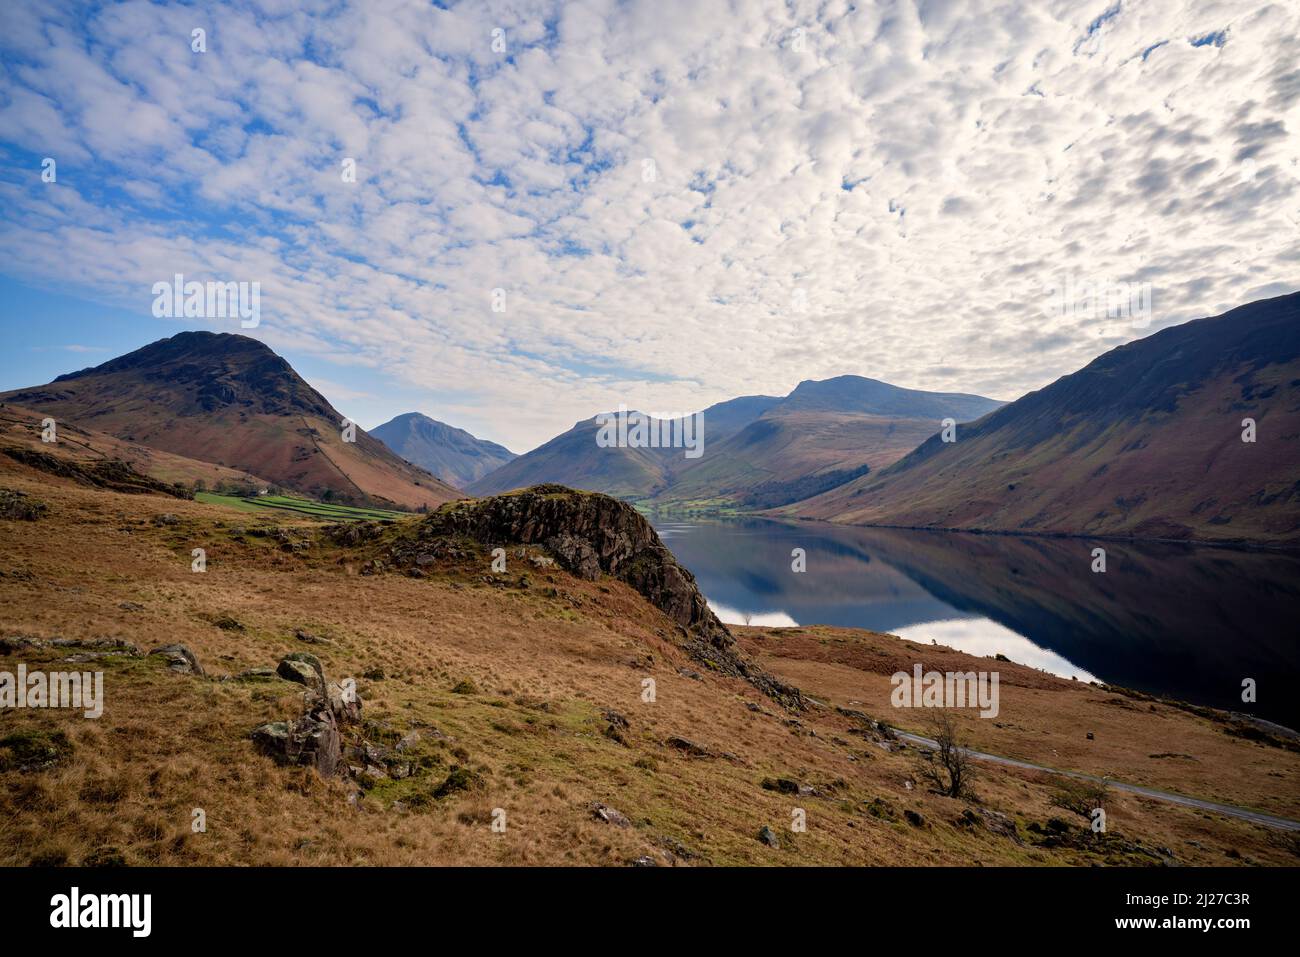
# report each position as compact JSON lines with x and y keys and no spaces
{"x":109,"y":645}
{"x":308,"y":638}
{"x":689,"y":747}
{"x":768,"y":836}
{"x":615,"y":719}
{"x":603,"y":812}
{"x":166,"y":518}
{"x":913,"y":818}
{"x":783,"y":785}
{"x":575,"y":554}
{"x":311,"y":740}
{"x":179,"y":659}
{"x":351,"y":534}
{"x":16,"y":643}
{"x":994,"y":822}
{"x":130,"y":606}
{"x":19,"y":507}
{"x":343,"y":703}
{"x":645,"y":860}
{"x":409,"y":741}
{"x":257,"y":674}
{"x":304,"y":668}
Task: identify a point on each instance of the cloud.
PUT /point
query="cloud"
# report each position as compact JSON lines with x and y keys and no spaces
{"x":679,"y":202}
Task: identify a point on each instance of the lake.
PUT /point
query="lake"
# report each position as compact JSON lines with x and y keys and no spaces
{"x":1184,"y":621}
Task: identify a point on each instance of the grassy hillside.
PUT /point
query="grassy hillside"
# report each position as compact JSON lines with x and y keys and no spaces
{"x":523,"y":692}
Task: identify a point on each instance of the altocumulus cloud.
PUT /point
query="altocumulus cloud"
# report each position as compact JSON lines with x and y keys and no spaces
{"x":681,"y":201}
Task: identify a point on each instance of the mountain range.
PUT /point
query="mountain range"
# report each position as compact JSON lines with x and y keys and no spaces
{"x":758,"y":451}
{"x":1192,"y":433}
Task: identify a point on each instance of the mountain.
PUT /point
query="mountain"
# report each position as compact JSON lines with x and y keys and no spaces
{"x":821,"y":435}
{"x":758,"y":451}
{"x":230,"y":400}
{"x":856,"y":394}
{"x":452,"y":454}
{"x":1146,"y":441}
{"x":573,"y":458}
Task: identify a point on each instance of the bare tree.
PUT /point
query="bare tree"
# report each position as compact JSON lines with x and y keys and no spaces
{"x":949,"y":767}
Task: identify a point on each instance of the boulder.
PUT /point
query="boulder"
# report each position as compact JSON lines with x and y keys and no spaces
{"x":311,"y":741}
{"x":179,"y":659}
{"x":343,"y":703}
{"x":782,"y":785}
{"x":605,"y":813}
{"x":304,"y":668}
{"x":768,"y":836}
{"x":689,"y":747}
{"x":308,"y":638}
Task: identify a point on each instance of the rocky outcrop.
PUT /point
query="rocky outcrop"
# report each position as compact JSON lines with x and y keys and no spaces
{"x":19,"y":506}
{"x":112,"y":474}
{"x":592,"y":534}
{"x":179,"y":659}
{"x":313,"y":739}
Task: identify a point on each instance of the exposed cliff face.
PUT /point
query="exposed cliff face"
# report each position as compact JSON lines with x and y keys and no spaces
{"x":592,"y":534}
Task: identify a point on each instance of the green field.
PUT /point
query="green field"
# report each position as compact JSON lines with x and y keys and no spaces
{"x":299,"y":506}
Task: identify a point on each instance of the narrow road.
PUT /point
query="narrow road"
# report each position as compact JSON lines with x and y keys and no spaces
{"x":1242,"y":813}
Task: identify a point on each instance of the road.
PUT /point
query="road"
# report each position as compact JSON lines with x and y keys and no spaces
{"x":1242,"y":813}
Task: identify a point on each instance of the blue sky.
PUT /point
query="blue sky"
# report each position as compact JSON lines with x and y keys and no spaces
{"x":677,"y":203}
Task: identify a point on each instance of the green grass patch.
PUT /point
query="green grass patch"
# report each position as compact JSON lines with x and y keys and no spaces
{"x":300,"y":506}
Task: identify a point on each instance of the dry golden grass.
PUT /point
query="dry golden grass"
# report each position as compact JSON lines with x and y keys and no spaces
{"x":546,"y":661}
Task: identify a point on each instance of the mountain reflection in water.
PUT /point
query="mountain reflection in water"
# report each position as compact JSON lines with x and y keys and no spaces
{"x":1179,"y":620}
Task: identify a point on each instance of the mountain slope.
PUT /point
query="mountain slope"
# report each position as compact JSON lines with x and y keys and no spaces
{"x":229,"y":399}
{"x":573,"y":458}
{"x":857,"y":394}
{"x":759,"y":451}
{"x":1145,"y":441}
{"x":452,"y":454}
{"x":823,"y":434}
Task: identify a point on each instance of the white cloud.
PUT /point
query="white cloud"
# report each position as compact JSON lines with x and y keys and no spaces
{"x":916,"y":174}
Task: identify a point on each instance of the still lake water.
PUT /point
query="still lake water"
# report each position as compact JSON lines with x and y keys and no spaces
{"x":1185,"y":621}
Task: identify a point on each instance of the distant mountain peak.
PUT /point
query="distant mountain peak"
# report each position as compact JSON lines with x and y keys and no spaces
{"x":454,"y":455}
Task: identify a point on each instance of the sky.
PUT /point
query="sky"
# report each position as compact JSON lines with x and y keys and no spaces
{"x":561,"y":208}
